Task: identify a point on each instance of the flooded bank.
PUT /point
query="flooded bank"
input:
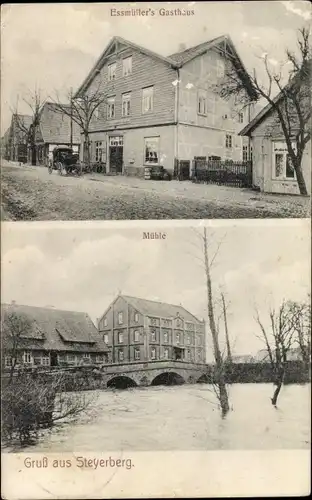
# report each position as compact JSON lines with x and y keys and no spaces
{"x":185,"y":417}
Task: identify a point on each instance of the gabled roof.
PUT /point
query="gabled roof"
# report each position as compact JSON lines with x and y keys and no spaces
{"x":259,"y":117}
{"x":26,"y":120}
{"x":176,"y":60}
{"x":101,"y":60}
{"x":54,"y":329}
{"x":153,"y":308}
{"x":263,"y":113}
{"x":55,"y":125}
{"x":187,"y":55}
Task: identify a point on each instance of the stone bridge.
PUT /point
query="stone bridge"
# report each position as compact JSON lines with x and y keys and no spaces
{"x":131,"y":374}
{"x":153,"y":373}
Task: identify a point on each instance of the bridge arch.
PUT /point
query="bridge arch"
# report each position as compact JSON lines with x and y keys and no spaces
{"x":121,"y":382}
{"x":168,"y":378}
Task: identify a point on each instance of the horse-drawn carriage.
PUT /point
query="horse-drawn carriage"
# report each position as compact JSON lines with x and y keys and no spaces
{"x":65,"y":161}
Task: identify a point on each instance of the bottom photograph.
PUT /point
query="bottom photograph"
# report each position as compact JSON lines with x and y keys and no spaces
{"x":183,"y":338}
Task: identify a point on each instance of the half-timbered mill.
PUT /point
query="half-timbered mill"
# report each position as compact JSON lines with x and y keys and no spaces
{"x":140,"y":330}
{"x":41,"y":336}
{"x":158,"y":110}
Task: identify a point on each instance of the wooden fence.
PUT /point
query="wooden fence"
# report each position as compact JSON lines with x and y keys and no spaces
{"x":227,"y":173}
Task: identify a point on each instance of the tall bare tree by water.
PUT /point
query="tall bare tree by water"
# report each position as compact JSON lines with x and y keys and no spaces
{"x":219,"y":373}
{"x":280,"y":338}
{"x":292,"y":105}
{"x":82,"y":109}
{"x":35,"y":102}
{"x":226,"y":329}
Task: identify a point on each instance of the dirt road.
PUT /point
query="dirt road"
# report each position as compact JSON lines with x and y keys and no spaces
{"x":30,"y":193}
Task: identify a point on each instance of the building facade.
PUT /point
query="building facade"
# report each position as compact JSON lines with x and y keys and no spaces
{"x":16,"y":137}
{"x":37,"y":336}
{"x":55,"y":129}
{"x":139,"y":330}
{"x":161,"y":109}
{"x":272,"y":168}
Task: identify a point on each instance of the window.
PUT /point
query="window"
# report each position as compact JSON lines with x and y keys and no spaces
{"x":188,"y":339}
{"x":8,"y":361}
{"x":105,"y":321}
{"x":166,"y":337}
{"x":120,"y":355}
{"x":111,"y":107}
{"x":188,"y":354}
{"x":166,"y":353}
{"x":137,"y":353}
{"x":282,"y":165}
{"x":106,"y":338}
{"x":179,"y":323}
{"x":153,"y":321}
{"x":245,"y":153}
{"x":98,"y":358}
{"x":27,"y":357}
{"x":45,"y":361}
{"x":220,"y":68}
{"x":202,"y":102}
{"x":98,"y":151}
{"x":71,"y":358}
{"x":200,"y":340}
{"x":151,"y":154}
{"x":153,"y":335}
{"x":147,"y":99}
{"x":136,"y":317}
{"x":178,"y":338}
{"x":116,"y":141}
{"x":167,"y":322}
{"x":228,"y":141}
{"x":126,"y":104}
{"x":120,"y":318}
{"x":136,"y":336}
{"x":127,"y":66}
{"x":111,"y":72}
{"x":153,"y":353}
{"x":120,"y":337}
{"x":86,"y":355}
{"x":241,"y":117}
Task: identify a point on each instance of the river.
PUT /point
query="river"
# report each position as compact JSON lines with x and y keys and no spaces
{"x":185,"y":418}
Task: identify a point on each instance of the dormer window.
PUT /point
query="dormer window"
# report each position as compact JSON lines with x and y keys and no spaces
{"x":136,"y":317}
{"x":105,"y":322}
{"x":120,"y":318}
{"x":111,"y":72}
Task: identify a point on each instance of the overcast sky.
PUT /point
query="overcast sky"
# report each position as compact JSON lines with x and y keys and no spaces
{"x":53,"y":46}
{"x":82,"y":267}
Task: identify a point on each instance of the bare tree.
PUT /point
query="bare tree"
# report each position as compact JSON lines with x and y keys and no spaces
{"x":292,"y":105}
{"x":227,"y":337}
{"x":35,"y":103}
{"x":278,"y":338}
{"x":33,"y":399}
{"x":301,"y":312}
{"x":81,"y":110}
{"x":15,"y":328}
{"x":219,"y":371}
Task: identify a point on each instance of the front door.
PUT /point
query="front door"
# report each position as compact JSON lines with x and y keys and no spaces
{"x":116,"y":154}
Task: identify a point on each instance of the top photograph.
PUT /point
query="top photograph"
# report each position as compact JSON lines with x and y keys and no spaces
{"x":169,"y":110}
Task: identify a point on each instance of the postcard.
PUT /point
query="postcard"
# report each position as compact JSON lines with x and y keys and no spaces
{"x":155,"y":250}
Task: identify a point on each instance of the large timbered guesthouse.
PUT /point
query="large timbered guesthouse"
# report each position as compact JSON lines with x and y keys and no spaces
{"x":164,"y":110}
{"x":140,"y":330}
{"x":42,"y":336}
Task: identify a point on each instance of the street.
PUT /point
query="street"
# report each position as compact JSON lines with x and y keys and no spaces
{"x":30,"y":193}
